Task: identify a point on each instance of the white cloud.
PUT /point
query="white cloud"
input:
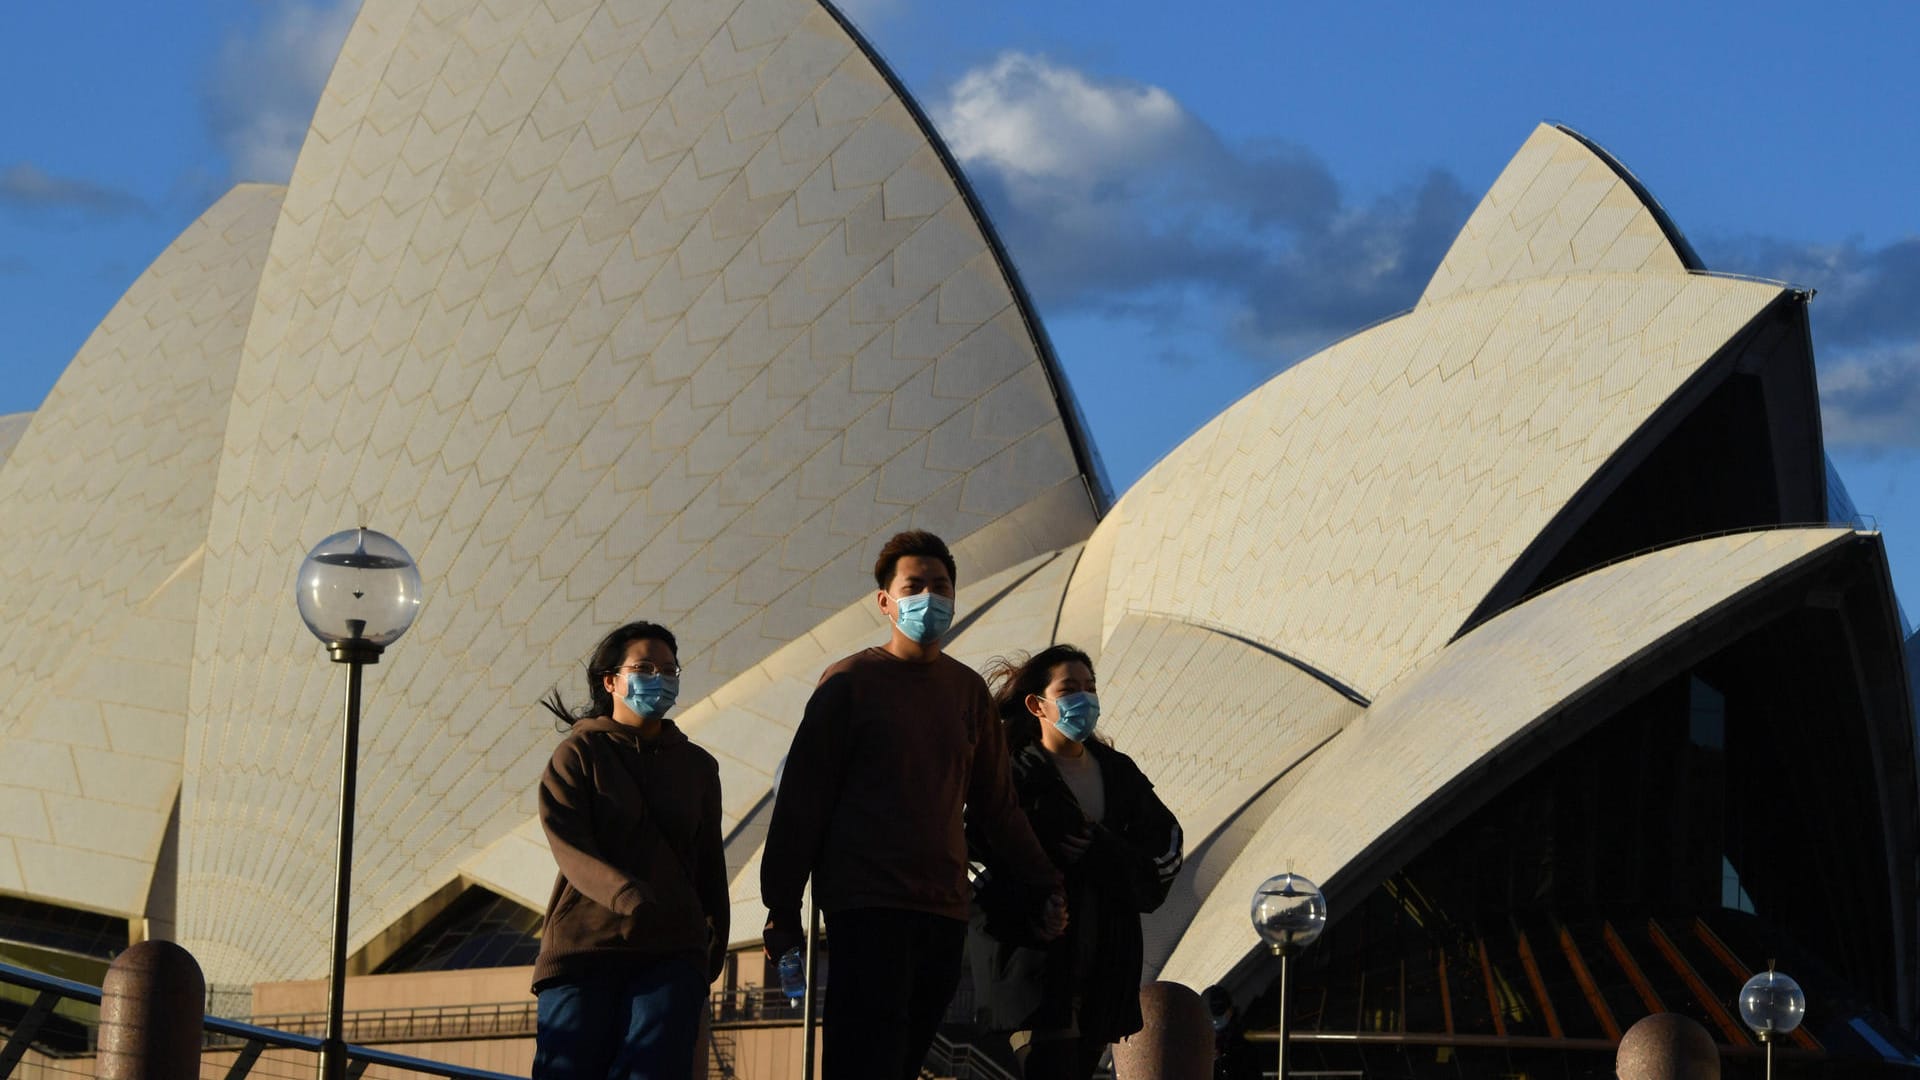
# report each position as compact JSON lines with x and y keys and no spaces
{"x":1113,"y":197}
{"x":265,"y":82}
{"x":1033,"y":119}
{"x":1870,"y":397}
{"x":1866,"y":330}
{"x":26,"y":186}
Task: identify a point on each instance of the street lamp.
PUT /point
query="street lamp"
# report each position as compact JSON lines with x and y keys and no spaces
{"x":1289,"y":913}
{"x":1772,"y":1005}
{"x":358,"y":592}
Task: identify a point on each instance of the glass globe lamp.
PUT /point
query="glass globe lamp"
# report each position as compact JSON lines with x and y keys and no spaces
{"x":1772,"y":1004}
{"x":358,"y":592}
{"x":1289,"y":912}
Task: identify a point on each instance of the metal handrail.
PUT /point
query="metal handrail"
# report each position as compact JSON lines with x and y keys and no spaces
{"x":965,"y":1060}
{"x":415,"y":1023}
{"x":767,"y":1006}
{"x":753,"y":1006}
{"x":253,"y":1035}
{"x":720,"y":1051}
{"x":33,"y":980}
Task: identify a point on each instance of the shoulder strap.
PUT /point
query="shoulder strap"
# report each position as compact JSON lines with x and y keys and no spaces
{"x":652,"y":826}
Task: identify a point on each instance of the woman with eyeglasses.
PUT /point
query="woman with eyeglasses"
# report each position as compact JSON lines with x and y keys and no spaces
{"x":1119,"y":849}
{"x":636,"y":929}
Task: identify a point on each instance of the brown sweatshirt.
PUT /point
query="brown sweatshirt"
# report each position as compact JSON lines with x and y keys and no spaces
{"x":634,"y":824}
{"x":870,"y":802}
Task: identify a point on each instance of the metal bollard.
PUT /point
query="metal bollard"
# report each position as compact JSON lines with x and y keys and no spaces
{"x":150,"y":1014}
{"x":1175,"y":1044}
{"x":1667,"y":1046}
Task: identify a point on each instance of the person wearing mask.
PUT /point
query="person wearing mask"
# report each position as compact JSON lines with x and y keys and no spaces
{"x":1119,"y":848}
{"x":636,"y":929}
{"x":896,"y":743}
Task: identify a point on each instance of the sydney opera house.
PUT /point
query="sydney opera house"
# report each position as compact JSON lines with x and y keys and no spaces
{"x":1531,"y":622}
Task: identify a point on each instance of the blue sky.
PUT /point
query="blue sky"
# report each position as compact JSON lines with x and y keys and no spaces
{"x":1198,"y":195}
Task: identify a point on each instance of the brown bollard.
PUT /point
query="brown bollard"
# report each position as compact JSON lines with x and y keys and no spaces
{"x":150,"y":1012}
{"x":1667,"y":1046}
{"x":1175,"y":1044}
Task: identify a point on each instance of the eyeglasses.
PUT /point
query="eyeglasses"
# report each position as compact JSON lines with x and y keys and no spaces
{"x":648,"y":669}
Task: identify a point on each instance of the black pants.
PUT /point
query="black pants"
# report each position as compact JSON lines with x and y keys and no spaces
{"x":890,"y":976}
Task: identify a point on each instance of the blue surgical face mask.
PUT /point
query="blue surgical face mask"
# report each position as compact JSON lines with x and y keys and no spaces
{"x":1078,"y":714}
{"x":651,"y":695}
{"x":924,"y":617}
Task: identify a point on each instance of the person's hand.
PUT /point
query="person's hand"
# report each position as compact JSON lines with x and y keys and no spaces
{"x":782,"y":933}
{"x":1053,"y":916}
{"x":1074,"y":844}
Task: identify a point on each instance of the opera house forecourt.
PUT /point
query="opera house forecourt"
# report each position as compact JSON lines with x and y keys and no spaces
{"x":1530,"y":623}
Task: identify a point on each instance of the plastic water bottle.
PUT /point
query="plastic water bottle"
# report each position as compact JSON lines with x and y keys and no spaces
{"x":793,"y":974}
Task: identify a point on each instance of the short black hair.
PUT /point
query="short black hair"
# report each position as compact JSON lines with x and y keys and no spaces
{"x":918,"y":542}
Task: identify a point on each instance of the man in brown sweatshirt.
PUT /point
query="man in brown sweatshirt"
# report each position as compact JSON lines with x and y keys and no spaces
{"x":896,"y":744}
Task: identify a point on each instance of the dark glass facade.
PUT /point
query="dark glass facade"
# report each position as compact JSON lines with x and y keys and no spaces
{"x":61,"y":929}
{"x":65,"y":943}
{"x":1728,"y":818}
{"x":480,"y":929}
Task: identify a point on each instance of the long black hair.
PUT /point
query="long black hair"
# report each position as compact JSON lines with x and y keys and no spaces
{"x":607,"y":658}
{"x":1013,"y":678}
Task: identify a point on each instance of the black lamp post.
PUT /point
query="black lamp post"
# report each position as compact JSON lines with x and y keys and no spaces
{"x":358,"y":592}
{"x":1289,"y":913}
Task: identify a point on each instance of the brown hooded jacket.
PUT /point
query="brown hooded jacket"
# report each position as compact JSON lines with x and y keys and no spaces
{"x":634,"y":825}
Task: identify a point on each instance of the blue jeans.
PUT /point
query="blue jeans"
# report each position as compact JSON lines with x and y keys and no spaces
{"x":638,"y":1026}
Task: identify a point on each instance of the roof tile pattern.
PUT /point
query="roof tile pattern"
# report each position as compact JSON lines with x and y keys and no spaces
{"x":1216,"y":724}
{"x":106,"y":499}
{"x":1016,"y":611}
{"x":1353,"y":511}
{"x":519,"y":865}
{"x":1557,"y":208}
{"x":1511,"y":674}
{"x":605,"y":309}
{"x":1210,"y":718}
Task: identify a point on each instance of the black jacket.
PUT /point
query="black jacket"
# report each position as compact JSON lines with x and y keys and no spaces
{"x":1090,"y":975}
